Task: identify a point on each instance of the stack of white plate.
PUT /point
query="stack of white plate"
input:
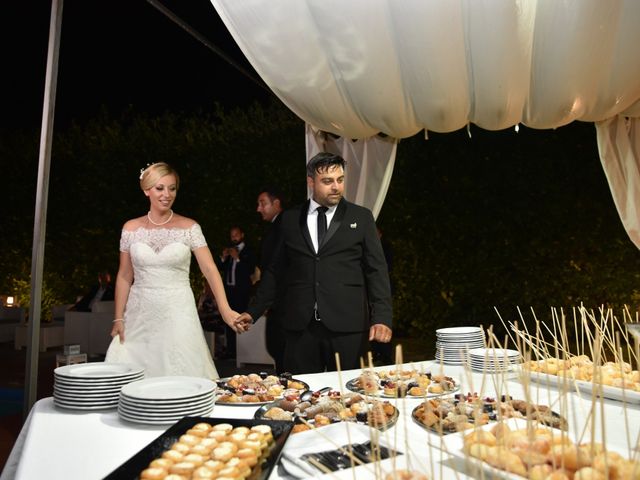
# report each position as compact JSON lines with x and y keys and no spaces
{"x":452,"y":344}
{"x":164,"y":400}
{"x":92,"y":386}
{"x":492,"y":360}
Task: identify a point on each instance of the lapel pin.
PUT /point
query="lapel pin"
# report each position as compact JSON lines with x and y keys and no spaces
{"x":353,"y":225}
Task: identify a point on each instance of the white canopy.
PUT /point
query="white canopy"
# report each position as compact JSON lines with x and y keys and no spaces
{"x":359,"y":67}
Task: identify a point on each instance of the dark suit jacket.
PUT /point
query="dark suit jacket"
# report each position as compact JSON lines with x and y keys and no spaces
{"x":238,"y":295}
{"x":267,"y":255}
{"x":347,"y":278}
{"x":84,"y":303}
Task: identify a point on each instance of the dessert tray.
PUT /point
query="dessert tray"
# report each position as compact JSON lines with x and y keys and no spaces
{"x":611,"y":382}
{"x":329,"y":408}
{"x":510,"y":450}
{"x":403,"y":383}
{"x":186,"y":447}
{"x":446,"y":415}
{"x":257,"y":389}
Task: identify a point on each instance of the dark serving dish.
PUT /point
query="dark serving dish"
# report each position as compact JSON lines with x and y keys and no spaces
{"x":132,"y":468}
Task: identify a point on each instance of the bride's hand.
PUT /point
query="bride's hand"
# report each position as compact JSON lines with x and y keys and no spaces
{"x":230,"y":317}
{"x":118,"y":329}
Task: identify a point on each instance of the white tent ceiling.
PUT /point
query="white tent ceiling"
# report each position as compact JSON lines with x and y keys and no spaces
{"x":359,"y":67}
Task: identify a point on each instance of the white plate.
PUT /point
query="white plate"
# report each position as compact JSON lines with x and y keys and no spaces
{"x":500,"y":353}
{"x":93,"y":398}
{"x":612,"y":393}
{"x":168,"y":388}
{"x":457,"y":330}
{"x":88,"y":406}
{"x":164,"y":414}
{"x":166,"y":402}
{"x":98,"y":371}
{"x":158,"y":407}
{"x":161,"y":421}
{"x":86,"y":391}
{"x":81,"y":383}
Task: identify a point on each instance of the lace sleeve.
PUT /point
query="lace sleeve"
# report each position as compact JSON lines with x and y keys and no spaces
{"x":125,"y":241}
{"x":196,"y":237}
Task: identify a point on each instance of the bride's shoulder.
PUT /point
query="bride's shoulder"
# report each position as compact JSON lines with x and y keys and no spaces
{"x":134,"y":224}
{"x":184,"y":222}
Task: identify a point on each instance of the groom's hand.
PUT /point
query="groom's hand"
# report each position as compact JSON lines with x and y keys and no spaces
{"x":243,"y":322}
{"x":380,"y":333}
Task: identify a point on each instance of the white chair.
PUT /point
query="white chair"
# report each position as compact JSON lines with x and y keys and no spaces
{"x":251,"y":346}
{"x":10,"y":318}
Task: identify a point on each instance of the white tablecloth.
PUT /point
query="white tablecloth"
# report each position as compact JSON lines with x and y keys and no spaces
{"x":61,"y":444}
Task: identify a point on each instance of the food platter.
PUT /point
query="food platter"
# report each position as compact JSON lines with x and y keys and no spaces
{"x":606,"y":391}
{"x":330,"y":408}
{"x":256,"y":389}
{"x":446,"y":415}
{"x":132,"y":468}
{"x":514,"y":453}
{"x":400,"y":384}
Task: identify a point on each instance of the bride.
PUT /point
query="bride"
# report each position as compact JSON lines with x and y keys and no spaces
{"x":156,"y":321}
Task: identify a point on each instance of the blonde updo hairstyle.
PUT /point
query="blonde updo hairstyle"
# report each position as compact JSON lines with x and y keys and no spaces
{"x":155,"y":172}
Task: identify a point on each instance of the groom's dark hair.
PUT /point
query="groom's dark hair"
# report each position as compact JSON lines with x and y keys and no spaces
{"x":322,"y":162}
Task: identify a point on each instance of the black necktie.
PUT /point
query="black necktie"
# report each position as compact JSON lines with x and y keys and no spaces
{"x":322,"y":224}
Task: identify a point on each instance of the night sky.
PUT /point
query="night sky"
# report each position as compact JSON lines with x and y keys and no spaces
{"x":116,"y":54}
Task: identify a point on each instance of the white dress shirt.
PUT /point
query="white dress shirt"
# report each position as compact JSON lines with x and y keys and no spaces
{"x":312,"y":220}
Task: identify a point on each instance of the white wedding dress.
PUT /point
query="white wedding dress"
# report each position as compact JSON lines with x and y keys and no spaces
{"x":162,"y":331}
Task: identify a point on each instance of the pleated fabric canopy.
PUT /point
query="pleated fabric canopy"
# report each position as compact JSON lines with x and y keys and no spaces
{"x":359,"y":67}
{"x":356,"y":68}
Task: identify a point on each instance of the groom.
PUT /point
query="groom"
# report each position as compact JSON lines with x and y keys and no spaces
{"x":337,"y":294}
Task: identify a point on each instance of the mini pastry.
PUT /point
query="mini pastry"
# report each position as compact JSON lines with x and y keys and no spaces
{"x":248,"y":455}
{"x":224,"y":454}
{"x":194,"y":458}
{"x":183,"y":448}
{"x":154,"y":473}
{"x":225,"y":427}
{"x":190,"y":440}
{"x":265,"y":430}
{"x":173,"y":455}
{"x":435,"y":388}
{"x":183,"y":468}
{"x":203,"y":473}
{"x":161,"y":463}
{"x":417,"y":391}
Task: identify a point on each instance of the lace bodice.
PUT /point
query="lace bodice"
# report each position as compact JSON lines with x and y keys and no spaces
{"x":161,"y":257}
{"x":158,"y":238}
{"x":162,"y":328}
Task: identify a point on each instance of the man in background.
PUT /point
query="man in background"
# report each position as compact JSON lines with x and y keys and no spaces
{"x":270,"y":205}
{"x":101,"y":292}
{"x":237,"y":265}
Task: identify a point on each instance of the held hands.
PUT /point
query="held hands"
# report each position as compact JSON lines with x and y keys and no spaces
{"x":118,"y":329}
{"x":243,"y":322}
{"x":380,"y":333}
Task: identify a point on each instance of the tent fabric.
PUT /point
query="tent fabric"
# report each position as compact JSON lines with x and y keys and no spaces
{"x":619,"y":146}
{"x":355,"y":68}
{"x":369,"y":164}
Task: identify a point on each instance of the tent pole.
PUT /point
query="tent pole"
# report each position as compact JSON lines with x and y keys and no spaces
{"x":42,"y":193}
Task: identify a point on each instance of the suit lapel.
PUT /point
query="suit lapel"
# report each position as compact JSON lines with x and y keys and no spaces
{"x":336,"y":221}
{"x":304,"y":228}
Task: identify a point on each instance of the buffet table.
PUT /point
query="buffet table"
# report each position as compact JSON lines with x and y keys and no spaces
{"x":57,"y":443}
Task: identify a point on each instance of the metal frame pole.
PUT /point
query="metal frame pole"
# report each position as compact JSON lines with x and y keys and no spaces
{"x":42,"y":193}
